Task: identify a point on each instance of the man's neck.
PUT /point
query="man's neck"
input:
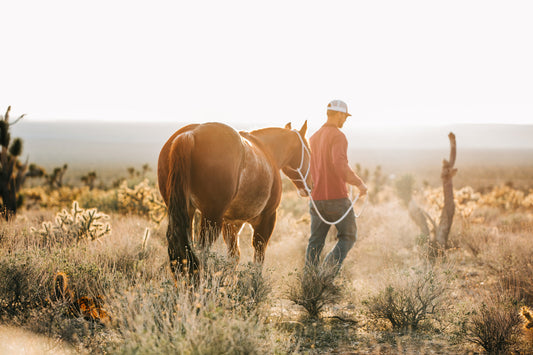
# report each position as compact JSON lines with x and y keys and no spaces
{"x":332,"y":122}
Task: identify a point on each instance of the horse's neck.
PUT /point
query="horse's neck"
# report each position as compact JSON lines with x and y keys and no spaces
{"x":275,"y":141}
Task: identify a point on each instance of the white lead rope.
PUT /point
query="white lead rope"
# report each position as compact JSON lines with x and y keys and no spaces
{"x":308,"y":190}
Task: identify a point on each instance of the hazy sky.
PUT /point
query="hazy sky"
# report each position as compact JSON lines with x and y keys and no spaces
{"x":268,"y":62}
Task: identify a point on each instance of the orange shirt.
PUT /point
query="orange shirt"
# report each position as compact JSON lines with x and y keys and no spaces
{"x":329,"y":164}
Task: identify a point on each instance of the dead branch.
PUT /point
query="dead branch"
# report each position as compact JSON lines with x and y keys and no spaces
{"x":440,"y":240}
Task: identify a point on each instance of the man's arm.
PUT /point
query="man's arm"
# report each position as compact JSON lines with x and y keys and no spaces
{"x":340,"y":161}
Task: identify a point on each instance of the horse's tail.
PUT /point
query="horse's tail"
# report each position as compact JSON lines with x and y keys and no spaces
{"x":181,"y":255}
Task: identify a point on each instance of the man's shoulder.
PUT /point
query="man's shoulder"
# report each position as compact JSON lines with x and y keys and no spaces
{"x":328,"y":135}
{"x":329,"y":130}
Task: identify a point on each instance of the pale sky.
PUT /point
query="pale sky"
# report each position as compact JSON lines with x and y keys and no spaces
{"x":268,"y":62}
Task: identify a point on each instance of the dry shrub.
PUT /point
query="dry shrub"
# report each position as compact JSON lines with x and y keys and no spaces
{"x":56,"y":198}
{"x":494,"y":325}
{"x":23,"y":284}
{"x":475,"y":237}
{"x":315,"y":288}
{"x":252,"y":289}
{"x":218,"y":315}
{"x":141,"y":199}
{"x":511,"y":258}
{"x":412,"y":297}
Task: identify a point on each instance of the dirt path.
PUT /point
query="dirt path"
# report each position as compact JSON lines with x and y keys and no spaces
{"x":19,"y":341}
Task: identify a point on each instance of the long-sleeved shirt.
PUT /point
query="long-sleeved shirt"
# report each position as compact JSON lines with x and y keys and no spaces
{"x":329,"y":164}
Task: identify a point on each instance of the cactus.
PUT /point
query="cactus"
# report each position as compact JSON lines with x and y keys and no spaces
{"x":86,"y":307}
{"x":13,"y":173}
{"x":76,"y":225}
{"x":527,"y":317}
{"x":89,"y":179}
{"x":55,"y":179}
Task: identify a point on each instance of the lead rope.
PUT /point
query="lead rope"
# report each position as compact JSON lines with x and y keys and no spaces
{"x":303,"y":179}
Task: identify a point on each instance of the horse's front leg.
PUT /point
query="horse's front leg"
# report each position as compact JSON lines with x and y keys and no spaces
{"x":262,"y":231}
{"x":230,"y":232}
{"x":209,"y":231}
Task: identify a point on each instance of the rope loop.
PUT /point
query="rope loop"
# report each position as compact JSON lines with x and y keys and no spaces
{"x":308,"y":190}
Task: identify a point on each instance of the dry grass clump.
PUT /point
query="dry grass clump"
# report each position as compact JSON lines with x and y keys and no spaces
{"x":510,"y":257}
{"x":494,"y":325}
{"x":413,"y":296}
{"x":221,"y":314}
{"x":314,"y":288}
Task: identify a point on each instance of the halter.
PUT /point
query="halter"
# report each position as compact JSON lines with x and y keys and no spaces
{"x":303,"y":179}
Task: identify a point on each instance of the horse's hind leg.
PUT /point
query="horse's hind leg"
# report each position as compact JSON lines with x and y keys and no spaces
{"x":230,"y":232}
{"x":262,"y":232}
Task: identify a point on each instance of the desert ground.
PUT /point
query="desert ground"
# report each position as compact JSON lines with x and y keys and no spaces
{"x":84,"y":267}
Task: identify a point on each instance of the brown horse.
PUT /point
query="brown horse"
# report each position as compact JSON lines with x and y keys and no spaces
{"x":231,"y":178}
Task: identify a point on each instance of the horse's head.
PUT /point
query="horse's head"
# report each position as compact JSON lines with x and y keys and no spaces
{"x":298,"y":166}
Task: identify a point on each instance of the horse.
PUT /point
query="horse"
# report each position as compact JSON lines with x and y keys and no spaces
{"x":231,"y":178}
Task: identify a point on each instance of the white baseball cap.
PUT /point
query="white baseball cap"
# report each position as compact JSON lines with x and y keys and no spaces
{"x":338,"y":105}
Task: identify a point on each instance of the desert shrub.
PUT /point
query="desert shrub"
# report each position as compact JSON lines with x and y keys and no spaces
{"x":23,"y":279}
{"x":141,"y":199}
{"x":56,"y":198}
{"x":476,"y":238}
{"x":404,"y":186}
{"x":105,"y":201}
{"x":511,"y":258}
{"x":76,"y":225}
{"x":314,"y":288}
{"x":244,"y":286}
{"x":252,"y":289}
{"x":494,"y":325}
{"x":27,"y":279}
{"x":412,"y":297}
{"x":215,"y":316}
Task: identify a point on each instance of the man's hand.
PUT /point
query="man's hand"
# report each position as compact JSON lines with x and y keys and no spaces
{"x":362,"y":190}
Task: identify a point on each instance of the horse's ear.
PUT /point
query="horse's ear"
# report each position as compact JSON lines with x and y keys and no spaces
{"x":303,"y":130}
{"x":288,"y":126}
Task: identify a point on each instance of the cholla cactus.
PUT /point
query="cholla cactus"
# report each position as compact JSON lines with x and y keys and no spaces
{"x":13,"y":173}
{"x":78,"y":225}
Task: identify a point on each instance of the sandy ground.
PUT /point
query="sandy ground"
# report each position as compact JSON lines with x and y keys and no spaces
{"x":15,"y":341}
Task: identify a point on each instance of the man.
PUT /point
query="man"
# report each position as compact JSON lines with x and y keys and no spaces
{"x":330,"y":172}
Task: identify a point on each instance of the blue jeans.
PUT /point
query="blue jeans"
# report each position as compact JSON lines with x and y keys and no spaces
{"x":331,"y":210}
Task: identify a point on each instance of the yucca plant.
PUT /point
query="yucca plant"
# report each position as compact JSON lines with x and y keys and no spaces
{"x":13,"y":172}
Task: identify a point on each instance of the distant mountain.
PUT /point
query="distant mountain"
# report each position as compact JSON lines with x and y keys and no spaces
{"x":93,"y":144}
